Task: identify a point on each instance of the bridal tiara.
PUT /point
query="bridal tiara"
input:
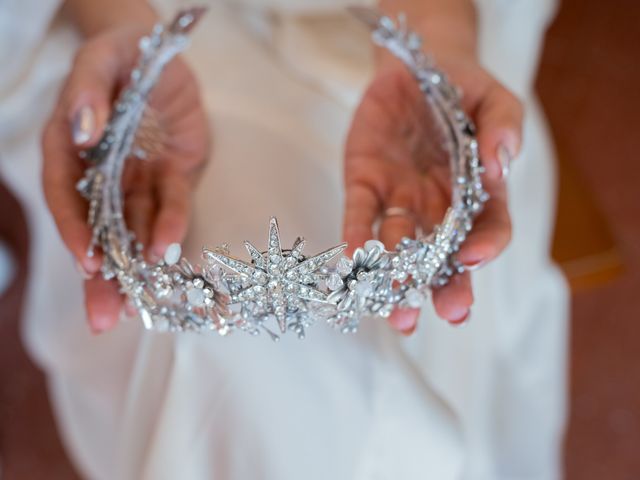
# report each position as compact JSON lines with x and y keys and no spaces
{"x":279,"y":289}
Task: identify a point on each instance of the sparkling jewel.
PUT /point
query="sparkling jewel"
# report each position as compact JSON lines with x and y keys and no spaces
{"x":414,"y":298}
{"x":364,"y":288}
{"x":195,"y":297}
{"x":345,"y":265}
{"x":334,"y":282}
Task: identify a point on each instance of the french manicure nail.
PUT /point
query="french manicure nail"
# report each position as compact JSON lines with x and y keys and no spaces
{"x":95,"y":329}
{"x":404,"y":319}
{"x":504,"y":158}
{"x":100,"y":324}
{"x":83,"y":126}
{"x":462,"y":321}
{"x":457,"y":314}
{"x":409,"y":331}
{"x":80,"y":268}
{"x":472,"y":267}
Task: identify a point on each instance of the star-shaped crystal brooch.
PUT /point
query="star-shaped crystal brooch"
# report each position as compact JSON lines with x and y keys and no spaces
{"x":280,"y":285}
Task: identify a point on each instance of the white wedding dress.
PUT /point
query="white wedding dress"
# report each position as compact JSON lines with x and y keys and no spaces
{"x":280,"y":80}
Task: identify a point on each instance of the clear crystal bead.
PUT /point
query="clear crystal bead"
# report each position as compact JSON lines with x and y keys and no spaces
{"x":161,"y":324}
{"x":344,"y":266}
{"x":364,"y":288}
{"x":334,"y":282}
{"x":400,"y":275}
{"x":414,"y":298}
{"x":275,"y":258}
{"x":195,"y":297}
{"x":385,"y":311}
{"x":260,"y":277}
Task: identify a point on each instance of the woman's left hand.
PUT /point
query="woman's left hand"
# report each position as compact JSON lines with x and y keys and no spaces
{"x":393,"y":159}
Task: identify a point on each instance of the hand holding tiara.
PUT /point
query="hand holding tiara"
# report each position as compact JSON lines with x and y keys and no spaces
{"x":278,"y":289}
{"x":173,"y":137}
{"x":397,"y":174}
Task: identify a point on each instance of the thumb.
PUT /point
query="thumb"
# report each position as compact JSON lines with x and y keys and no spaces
{"x":79,"y":120}
{"x":91,"y":87}
{"x":499,"y":120}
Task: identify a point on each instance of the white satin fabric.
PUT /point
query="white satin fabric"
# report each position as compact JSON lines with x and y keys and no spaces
{"x":482,"y":402}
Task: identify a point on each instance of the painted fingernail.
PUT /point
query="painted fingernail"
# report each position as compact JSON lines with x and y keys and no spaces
{"x":504,"y":158}
{"x":96,"y":327}
{"x":83,"y":125}
{"x":91,"y":263}
{"x":100,"y":324}
{"x":459,"y":314}
{"x":473,"y":266}
{"x":157,"y":251}
{"x":409,"y":331}
{"x":461,"y":321}
{"x":404,"y":319}
{"x":83,"y":271}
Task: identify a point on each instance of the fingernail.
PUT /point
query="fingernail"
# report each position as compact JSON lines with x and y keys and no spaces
{"x":91,"y":264}
{"x":83,"y":125}
{"x":158,"y":250}
{"x":95,"y":329}
{"x":461,"y":321}
{"x":504,"y":158}
{"x":404,"y":319}
{"x":100,"y":324}
{"x":83,"y":271}
{"x":459,"y":314}
{"x":473,"y":266}
{"x":410,"y":331}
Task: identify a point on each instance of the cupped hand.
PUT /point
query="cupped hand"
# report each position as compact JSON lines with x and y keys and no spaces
{"x":157,"y":190}
{"x":394,"y":159}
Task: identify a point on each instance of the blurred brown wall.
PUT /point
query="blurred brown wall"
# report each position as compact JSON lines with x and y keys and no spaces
{"x":589,"y":83}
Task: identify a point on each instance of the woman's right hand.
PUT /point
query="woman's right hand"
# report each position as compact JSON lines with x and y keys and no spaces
{"x":157,"y":190}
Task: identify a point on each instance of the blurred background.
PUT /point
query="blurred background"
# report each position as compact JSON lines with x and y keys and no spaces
{"x":588,"y":83}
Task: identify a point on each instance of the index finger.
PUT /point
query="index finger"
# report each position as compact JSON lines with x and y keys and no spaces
{"x":62,"y":168}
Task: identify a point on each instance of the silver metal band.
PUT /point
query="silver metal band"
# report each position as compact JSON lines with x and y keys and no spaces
{"x":279,"y":289}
